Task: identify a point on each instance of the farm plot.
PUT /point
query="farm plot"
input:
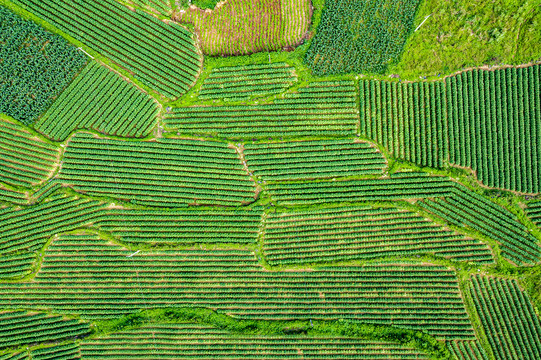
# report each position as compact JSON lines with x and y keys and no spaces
{"x":408,"y":119}
{"x":163,"y":56}
{"x":181,"y":226}
{"x":320,"y":109}
{"x":464,"y":208}
{"x":399,"y":186}
{"x":534,"y":212}
{"x":487,"y":121}
{"x":28,"y":229}
{"x":360,"y":36}
{"x":508,"y":318}
{"x":36,"y":66}
{"x":23,"y":328}
{"x":164,"y":173}
{"x":99,"y":280}
{"x":348,"y":233}
{"x":101,"y":100}
{"x":186,"y":341}
{"x":494,"y":119}
{"x":25,"y":158}
{"x":467,"y":350}
{"x":258,"y":25}
{"x":235,"y":83}
{"x":314,"y":159}
{"x":16,"y":266}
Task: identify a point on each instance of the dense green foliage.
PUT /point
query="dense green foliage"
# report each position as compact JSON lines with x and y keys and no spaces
{"x":323,"y":108}
{"x":25,"y":159}
{"x":35,"y":67}
{"x":348,"y":233}
{"x":101,"y":100}
{"x":164,"y":173}
{"x":360,"y":36}
{"x":205,"y":4}
{"x":167,"y":63}
{"x":235,"y":83}
{"x":508,"y":318}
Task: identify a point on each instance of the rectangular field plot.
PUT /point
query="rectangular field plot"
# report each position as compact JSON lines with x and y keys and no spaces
{"x":321,"y":109}
{"x":348,"y":233}
{"x":163,"y":173}
{"x":316,"y":159}
{"x":235,"y":83}
{"x":100,"y":281}
{"x":508,"y":318}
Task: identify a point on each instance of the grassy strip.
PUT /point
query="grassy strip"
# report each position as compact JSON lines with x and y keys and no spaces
{"x":416,"y":339}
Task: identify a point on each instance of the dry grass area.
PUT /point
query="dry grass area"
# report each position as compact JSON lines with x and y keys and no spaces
{"x":239,"y":27}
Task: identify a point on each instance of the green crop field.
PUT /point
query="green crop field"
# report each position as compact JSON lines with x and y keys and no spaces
{"x":270,"y":180}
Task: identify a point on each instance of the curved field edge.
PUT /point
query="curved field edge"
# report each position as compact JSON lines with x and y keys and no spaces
{"x":95,"y":55}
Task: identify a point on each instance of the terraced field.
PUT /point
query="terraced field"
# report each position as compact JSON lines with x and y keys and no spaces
{"x":165,"y":195}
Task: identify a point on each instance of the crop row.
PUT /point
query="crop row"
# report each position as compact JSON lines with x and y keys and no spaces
{"x":161,"y":55}
{"x":348,"y":233}
{"x":16,"y":266}
{"x":242,"y":82}
{"x":169,"y":174}
{"x":297,"y":160}
{"x":101,"y":100}
{"x":328,"y":109}
{"x":25,"y":160}
{"x":187,"y":341}
{"x":534,"y":212}
{"x":107,"y":283}
{"x":508,"y":318}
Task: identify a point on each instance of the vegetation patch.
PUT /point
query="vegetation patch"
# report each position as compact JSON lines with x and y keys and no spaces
{"x":35,"y":67}
{"x":260,"y":25}
{"x":360,"y":36}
